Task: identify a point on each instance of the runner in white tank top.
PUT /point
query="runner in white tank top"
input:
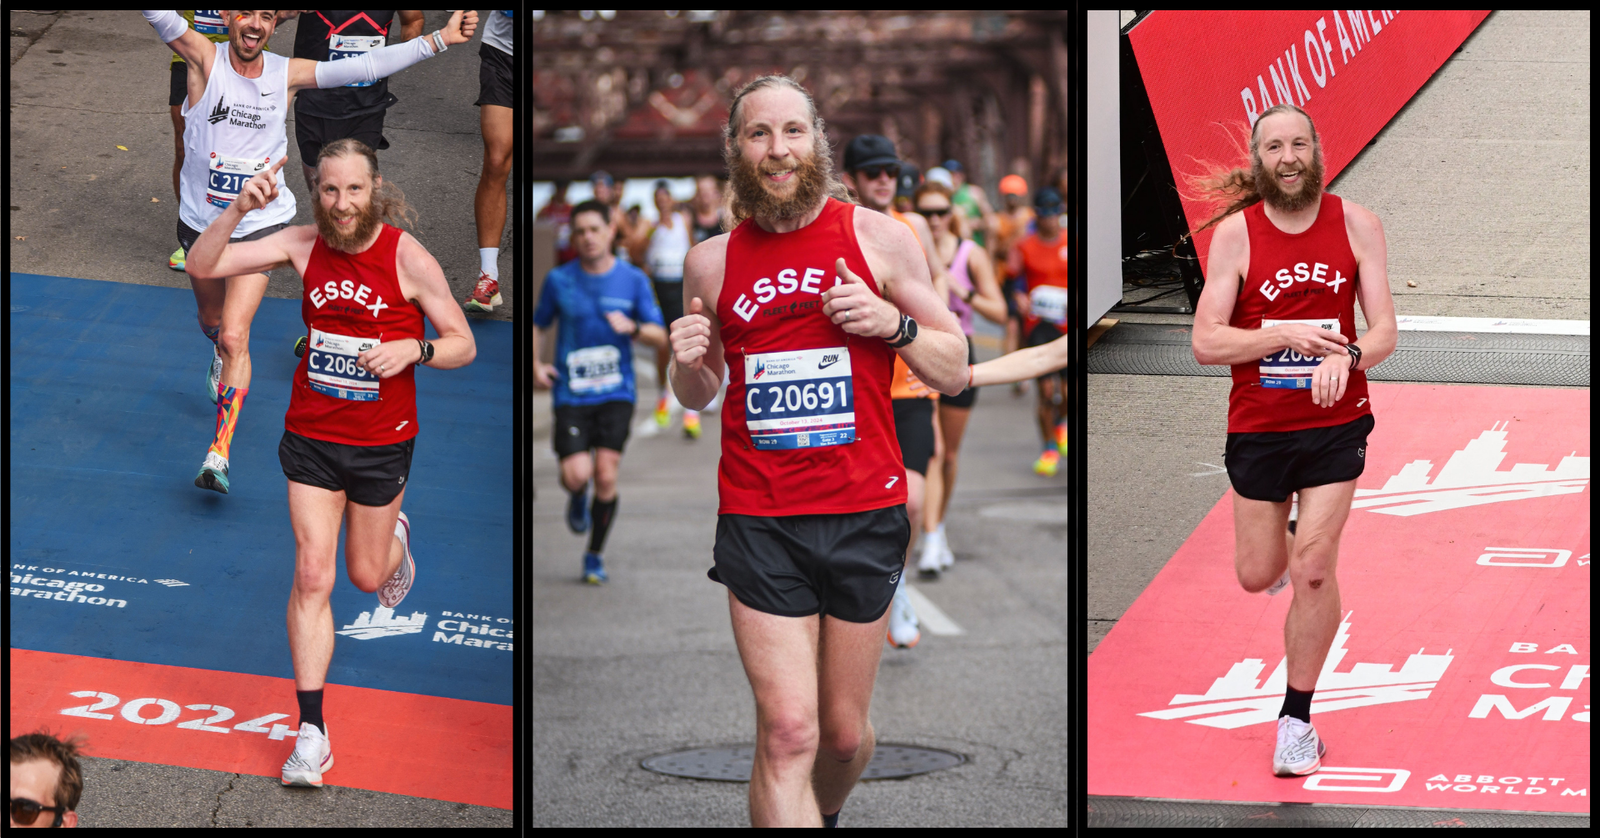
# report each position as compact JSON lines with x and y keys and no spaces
{"x":239,"y":96}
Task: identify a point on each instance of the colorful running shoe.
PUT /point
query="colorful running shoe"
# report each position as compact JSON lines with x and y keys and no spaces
{"x":178,"y":260}
{"x":300,"y":346}
{"x":1299,"y":751}
{"x":903,"y":630}
{"x":594,"y":570}
{"x":394,"y":590}
{"x":214,"y":473}
{"x":1061,"y":436}
{"x":691,"y":424}
{"x":485,"y":295}
{"x":663,"y":414}
{"x":312,"y":758}
{"x":578,"y":511}
{"x":1047,"y":463}
{"x":214,"y":375}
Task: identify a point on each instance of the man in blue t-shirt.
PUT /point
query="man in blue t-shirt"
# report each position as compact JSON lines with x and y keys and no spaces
{"x":603,"y":305}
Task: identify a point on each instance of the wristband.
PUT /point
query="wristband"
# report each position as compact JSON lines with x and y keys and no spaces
{"x":438,"y":42}
{"x":169,"y":25}
{"x":425,"y":350}
{"x":1355,"y":356}
{"x":971,"y":370}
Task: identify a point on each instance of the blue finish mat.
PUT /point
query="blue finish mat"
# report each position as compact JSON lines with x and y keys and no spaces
{"x":109,"y":425}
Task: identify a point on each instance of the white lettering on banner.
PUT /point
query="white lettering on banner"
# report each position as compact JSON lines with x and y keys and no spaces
{"x":1346,"y":49}
{"x":1471,"y":478}
{"x":381,"y":622}
{"x":1382,"y":780}
{"x":1523,"y":557}
{"x":1241,"y":698}
{"x":61,"y":590}
{"x":210,"y":714}
{"x":1491,"y":784}
{"x":463,"y":640}
{"x":1576,"y":675}
{"x":1286,"y":79}
{"x":1561,"y":648}
{"x":1554,"y":707}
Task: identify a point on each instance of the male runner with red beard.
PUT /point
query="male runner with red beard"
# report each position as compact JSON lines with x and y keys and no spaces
{"x":352,"y":420}
{"x":1286,"y":267}
{"x":807,"y":302}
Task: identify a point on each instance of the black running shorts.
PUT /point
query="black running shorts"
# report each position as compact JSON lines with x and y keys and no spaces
{"x":1269,"y":466}
{"x":371,"y":475}
{"x":579,"y":428}
{"x":670,"y":296}
{"x":311,"y":133}
{"x":913,"y":426}
{"x":966,"y":398}
{"x":844,"y":566}
{"x":187,"y":235}
{"x":497,"y":77}
{"x":180,"y":85}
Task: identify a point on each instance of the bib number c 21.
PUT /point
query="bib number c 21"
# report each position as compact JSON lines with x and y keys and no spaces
{"x":225,"y":176}
{"x":353,"y":46}
{"x":1287,"y":369}
{"x":799,"y":399}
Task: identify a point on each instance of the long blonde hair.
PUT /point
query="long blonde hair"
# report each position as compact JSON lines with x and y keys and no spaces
{"x":389,"y":200}
{"x":737,"y":211}
{"x":1234,"y":188}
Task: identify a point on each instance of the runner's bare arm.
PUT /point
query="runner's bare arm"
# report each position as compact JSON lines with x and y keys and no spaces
{"x":422,"y":281}
{"x":213,"y":256}
{"x":410,"y":26}
{"x":697,"y":360}
{"x":1213,"y":340}
{"x":305,"y":74}
{"x":939,"y":354}
{"x":987,"y":298}
{"x":1377,"y":304}
{"x":1022,"y":364}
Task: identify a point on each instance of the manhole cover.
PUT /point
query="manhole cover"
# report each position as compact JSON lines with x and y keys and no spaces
{"x":732,"y":762}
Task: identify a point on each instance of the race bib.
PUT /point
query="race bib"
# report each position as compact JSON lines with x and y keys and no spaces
{"x":1288,"y":369}
{"x":353,"y":46}
{"x":801,"y":399}
{"x":1049,"y":302}
{"x":226,"y":176}
{"x":210,"y":22}
{"x":597,"y":369}
{"x":332,"y":368}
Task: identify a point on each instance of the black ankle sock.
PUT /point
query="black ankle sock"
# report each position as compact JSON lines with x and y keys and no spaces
{"x":601,"y":514}
{"x":1297,"y":704}
{"x":830,"y":821}
{"x":311,"y":707}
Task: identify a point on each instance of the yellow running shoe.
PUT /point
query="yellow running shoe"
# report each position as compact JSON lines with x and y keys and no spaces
{"x":1061,"y":437}
{"x":1046,"y":464}
{"x":178,"y":260}
{"x":691,"y":424}
{"x":663,"y":416}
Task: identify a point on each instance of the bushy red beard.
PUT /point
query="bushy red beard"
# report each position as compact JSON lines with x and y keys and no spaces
{"x":1276,"y":197}
{"x":753,"y":195}
{"x":347,"y":239}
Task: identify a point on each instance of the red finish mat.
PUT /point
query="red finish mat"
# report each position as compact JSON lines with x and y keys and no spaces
{"x":415,"y":745}
{"x":1460,"y":675}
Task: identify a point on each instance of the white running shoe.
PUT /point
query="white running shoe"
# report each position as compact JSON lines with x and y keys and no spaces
{"x":394,"y":590}
{"x":1299,"y":751}
{"x":214,"y":377}
{"x":312,"y":757}
{"x":928,"y":564}
{"x":1278,"y":586}
{"x":946,"y":558}
{"x":903,"y":631}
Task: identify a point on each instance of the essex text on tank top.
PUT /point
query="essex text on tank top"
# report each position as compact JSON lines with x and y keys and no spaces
{"x":235,"y":131}
{"x":1308,"y":277}
{"x":1044,"y":267}
{"x":807,"y":424}
{"x":351,"y":303}
{"x":336,"y":36}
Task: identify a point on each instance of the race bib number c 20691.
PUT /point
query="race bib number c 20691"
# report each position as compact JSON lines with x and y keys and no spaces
{"x":1287,"y":369}
{"x":799,"y":399}
{"x":332,"y":367}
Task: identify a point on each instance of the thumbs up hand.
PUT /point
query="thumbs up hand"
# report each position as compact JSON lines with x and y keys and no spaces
{"x":460,"y":28}
{"x":691,"y":337}
{"x":853,"y":306}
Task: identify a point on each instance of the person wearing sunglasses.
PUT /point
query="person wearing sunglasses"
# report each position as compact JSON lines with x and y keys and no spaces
{"x":46,"y":781}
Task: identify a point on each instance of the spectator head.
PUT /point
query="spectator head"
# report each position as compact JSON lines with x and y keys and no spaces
{"x":605,"y":189}
{"x":46,"y":781}
{"x":958,"y":174}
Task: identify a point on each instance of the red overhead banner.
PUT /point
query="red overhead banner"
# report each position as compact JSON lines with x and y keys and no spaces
{"x":1212,"y":73}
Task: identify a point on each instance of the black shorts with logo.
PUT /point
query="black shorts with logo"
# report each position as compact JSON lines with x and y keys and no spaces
{"x":845,"y":566}
{"x":581,"y":427}
{"x":1269,"y":466}
{"x":913,"y":426}
{"x":497,"y":77}
{"x":371,"y":475}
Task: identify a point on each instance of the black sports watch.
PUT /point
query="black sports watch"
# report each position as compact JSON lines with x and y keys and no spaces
{"x":905,"y":334}
{"x":1355,"y":353}
{"x":427,"y":351}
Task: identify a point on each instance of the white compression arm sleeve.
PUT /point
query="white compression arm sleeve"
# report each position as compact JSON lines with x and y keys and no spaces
{"x":169,"y":25}
{"x":378,"y":64}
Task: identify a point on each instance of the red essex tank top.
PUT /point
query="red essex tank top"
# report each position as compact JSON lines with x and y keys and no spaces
{"x":1307,"y":277}
{"x":352,"y":302}
{"x":807,"y":427}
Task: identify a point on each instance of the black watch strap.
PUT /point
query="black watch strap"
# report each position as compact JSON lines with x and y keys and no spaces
{"x":427,"y":351}
{"x":906,"y":334}
{"x":1355,"y":355}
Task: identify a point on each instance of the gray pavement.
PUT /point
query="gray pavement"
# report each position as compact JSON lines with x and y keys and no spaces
{"x":647,"y":663}
{"x":85,"y":82}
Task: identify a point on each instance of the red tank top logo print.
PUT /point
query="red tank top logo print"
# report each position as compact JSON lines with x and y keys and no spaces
{"x":351,"y":303}
{"x":1308,"y":277}
{"x":807,"y":428}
